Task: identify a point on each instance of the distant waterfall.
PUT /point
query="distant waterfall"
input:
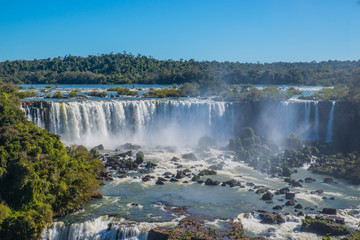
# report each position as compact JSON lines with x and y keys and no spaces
{"x":330,"y":124}
{"x":172,"y":122}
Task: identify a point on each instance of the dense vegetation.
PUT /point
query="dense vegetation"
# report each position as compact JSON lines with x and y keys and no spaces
{"x":39,"y":177}
{"x":127,"y":68}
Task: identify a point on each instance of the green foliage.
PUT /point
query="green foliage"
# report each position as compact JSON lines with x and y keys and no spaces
{"x":57,"y":94}
{"x":123,"y":91}
{"x":73,"y":94}
{"x":123,"y":68}
{"x":39,"y":178}
{"x":26,"y":94}
{"x":163,"y":92}
{"x":94,"y":93}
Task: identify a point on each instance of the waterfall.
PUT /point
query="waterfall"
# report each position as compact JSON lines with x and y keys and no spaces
{"x":316,"y":125}
{"x":171,"y":122}
{"x":101,"y":228}
{"x":307,"y":121}
{"x":330,"y":123}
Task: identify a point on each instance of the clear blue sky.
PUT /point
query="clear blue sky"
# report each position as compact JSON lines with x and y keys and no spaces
{"x":223,"y":30}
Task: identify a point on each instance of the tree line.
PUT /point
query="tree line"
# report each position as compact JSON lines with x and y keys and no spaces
{"x":124,"y":68}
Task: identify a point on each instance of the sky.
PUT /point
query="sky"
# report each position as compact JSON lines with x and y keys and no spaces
{"x":222,"y":30}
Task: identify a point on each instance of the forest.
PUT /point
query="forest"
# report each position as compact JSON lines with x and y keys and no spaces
{"x":40,"y":178}
{"x":126,"y":68}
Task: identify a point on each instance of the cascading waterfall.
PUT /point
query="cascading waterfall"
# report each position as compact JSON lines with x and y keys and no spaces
{"x":330,"y":123}
{"x":171,"y":122}
{"x":101,"y":228}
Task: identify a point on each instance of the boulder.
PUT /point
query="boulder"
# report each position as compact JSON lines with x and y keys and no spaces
{"x":270,"y":217}
{"x":290,"y":203}
{"x":323,"y":226}
{"x":331,"y":211}
{"x":189,"y":156}
{"x":267,"y":196}
{"x":310,"y":180}
{"x":328,"y":180}
{"x":289,"y":195}
{"x":210,"y":182}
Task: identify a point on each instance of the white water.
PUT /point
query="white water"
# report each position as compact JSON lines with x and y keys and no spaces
{"x":330,"y":123}
{"x":172,"y":122}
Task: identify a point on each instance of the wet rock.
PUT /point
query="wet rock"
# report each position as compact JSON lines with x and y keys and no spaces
{"x":186,"y":171}
{"x":180,"y":174}
{"x":189,"y":156}
{"x":191,"y":228}
{"x":321,"y":225}
{"x":210,"y":182}
{"x":175,"y":159}
{"x":129,"y":146}
{"x":146,"y":178}
{"x":195,"y":178}
{"x":267,"y":196}
{"x":250,"y":184}
{"x":99,"y":147}
{"x":205,"y":172}
{"x":310,"y":180}
{"x":295,"y":183}
{"x":300,"y":214}
{"x":270,"y":217}
{"x":290,"y":203}
{"x":217,"y":167}
{"x":298,"y":206}
{"x":289,"y":195}
{"x":328,"y":180}
{"x":260,"y":191}
{"x":332,"y":198}
{"x":232,"y":183}
{"x":173,"y":180}
{"x":139,"y":158}
{"x":277,"y":207}
{"x":150,"y":165}
{"x":317,"y":191}
{"x":159,"y":182}
{"x":309,"y":208}
{"x":331,"y":211}
{"x":162,"y":179}
{"x":200,"y":181}
{"x":284,"y":190}
{"x":167,"y":174}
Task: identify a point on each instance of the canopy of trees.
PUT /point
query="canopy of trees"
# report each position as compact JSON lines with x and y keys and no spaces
{"x":39,"y":177}
{"x":125,"y":68}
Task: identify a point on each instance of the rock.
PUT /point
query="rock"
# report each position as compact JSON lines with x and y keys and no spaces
{"x":173,"y":180}
{"x":331,"y":211}
{"x":310,"y":180}
{"x":150,"y":165}
{"x":298,"y":206}
{"x":277,"y":207}
{"x":200,"y":181}
{"x":175,"y":159}
{"x":191,"y":228}
{"x":270,"y":218}
{"x":289,"y":195}
{"x":290,"y":203}
{"x":162,"y":179}
{"x":146,"y":178}
{"x":332,"y":198}
{"x":328,"y":180}
{"x":250,"y":184}
{"x":210,"y":182}
{"x":189,"y":156}
{"x":317,"y":192}
{"x":139,"y":158}
{"x":186,"y":171}
{"x":267,"y":196}
{"x":323,"y":226}
{"x":284,"y":190}
{"x":180,"y":174}
{"x":205,"y":172}
{"x":300,"y":214}
{"x":217,"y":167}
{"x":167,"y":174}
{"x":295,"y":183}
{"x":99,"y":147}
{"x":159,"y":182}
{"x":129,"y":146}
{"x":232,"y":183}
{"x":195,"y":178}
